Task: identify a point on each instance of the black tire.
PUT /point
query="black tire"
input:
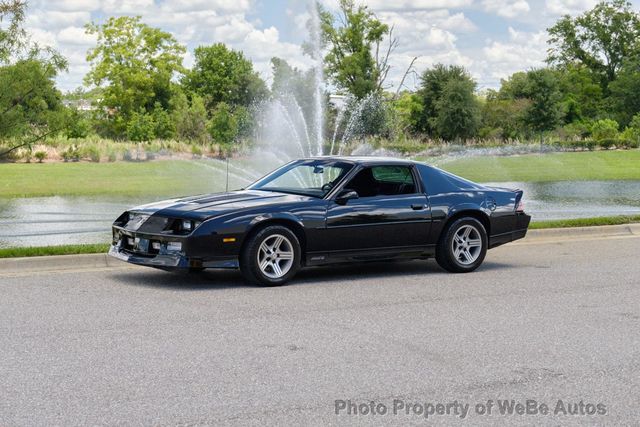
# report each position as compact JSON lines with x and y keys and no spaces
{"x":468,"y":260}
{"x":249,"y":264}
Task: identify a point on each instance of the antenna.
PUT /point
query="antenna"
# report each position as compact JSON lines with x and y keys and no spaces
{"x":227,"y":183}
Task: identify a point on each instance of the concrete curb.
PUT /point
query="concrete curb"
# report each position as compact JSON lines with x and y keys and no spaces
{"x":97,"y":261}
{"x":58,"y":263}
{"x":571,"y":233}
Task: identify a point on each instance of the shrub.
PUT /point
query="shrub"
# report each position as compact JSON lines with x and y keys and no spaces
{"x":164,"y":126}
{"x":608,"y":143}
{"x":92,"y":153}
{"x":71,"y":154}
{"x":196,"y":150}
{"x":79,"y":125}
{"x":604,"y":129}
{"x":583,"y":144}
{"x":223,"y":126}
{"x":112,"y":155}
{"x":40,"y":156}
{"x":575,"y":130}
{"x":631,"y":134}
{"x":141,"y":127}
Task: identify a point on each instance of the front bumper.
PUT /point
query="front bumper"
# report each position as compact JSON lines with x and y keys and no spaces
{"x":158,"y":261}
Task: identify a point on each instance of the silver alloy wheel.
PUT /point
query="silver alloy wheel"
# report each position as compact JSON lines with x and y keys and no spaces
{"x":467,"y":244}
{"x":275,"y":256}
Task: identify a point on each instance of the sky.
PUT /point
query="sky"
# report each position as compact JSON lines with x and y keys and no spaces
{"x":491,"y":38}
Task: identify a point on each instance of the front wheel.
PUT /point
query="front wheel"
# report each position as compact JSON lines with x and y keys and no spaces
{"x":462,"y":246}
{"x":271,"y":257}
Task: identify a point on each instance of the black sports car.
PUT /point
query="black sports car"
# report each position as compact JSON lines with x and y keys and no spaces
{"x":325,"y":210}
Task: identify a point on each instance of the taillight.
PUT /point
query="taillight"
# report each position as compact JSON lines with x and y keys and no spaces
{"x":520,"y":206}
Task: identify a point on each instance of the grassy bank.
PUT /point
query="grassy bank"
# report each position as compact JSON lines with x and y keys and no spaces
{"x":53,"y":250}
{"x":585,"y":222}
{"x":179,"y":177}
{"x":161,"y":178}
{"x":595,"y":165}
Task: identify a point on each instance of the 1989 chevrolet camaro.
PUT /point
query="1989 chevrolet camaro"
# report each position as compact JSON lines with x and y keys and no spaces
{"x":321,"y":211}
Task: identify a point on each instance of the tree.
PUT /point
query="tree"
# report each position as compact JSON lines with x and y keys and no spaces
{"x":541,"y":87}
{"x":457,"y":110}
{"x":356,"y":61}
{"x":12,"y":34}
{"x":190,"y":117}
{"x":582,"y":94}
{"x":30,"y":105}
{"x":408,"y":109}
{"x":504,"y":118}
{"x":432,"y":84}
{"x":599,"y":39}
{"x":223,"y":126}
{"x":624,"y":99}
{"x":136,"y":64}
{"x":545,"y":112}
{"x":224,"y":75}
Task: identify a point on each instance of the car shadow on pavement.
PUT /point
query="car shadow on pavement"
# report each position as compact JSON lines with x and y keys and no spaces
{"x":225,"y":279}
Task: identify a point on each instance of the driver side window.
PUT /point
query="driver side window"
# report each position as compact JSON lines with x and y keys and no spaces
{"x":383,"y":181}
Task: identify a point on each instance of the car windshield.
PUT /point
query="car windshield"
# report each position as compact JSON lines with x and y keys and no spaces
{"x":309,"y":178}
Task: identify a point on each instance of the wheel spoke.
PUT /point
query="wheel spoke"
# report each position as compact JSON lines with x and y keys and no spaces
{"x":264,"y":248}
{"x":265,"y":264}
{"x":276,"y":268}
{"x":276,"y":243}
{"x":474,"y":243}
{"x":285,"y":255}
{"x":466,"y":233}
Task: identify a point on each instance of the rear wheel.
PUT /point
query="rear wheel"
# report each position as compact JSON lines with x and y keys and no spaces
{"x":271,"y":257}
{"x":462,"y":246}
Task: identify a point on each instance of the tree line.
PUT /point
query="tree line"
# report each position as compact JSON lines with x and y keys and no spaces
{"x":140,"y":90}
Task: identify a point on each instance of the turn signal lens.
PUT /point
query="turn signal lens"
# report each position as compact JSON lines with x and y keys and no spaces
{"x":520,"y":207}
{"x":174,"y":246}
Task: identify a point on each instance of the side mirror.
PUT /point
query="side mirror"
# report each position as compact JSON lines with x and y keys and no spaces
{"x":345,"y":196}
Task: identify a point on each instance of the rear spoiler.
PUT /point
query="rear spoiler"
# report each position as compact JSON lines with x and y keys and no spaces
{"x":519,"y":205}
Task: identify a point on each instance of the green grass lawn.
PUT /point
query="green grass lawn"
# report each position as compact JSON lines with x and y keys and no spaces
{"x":53,"y":250}
{"x":180,"y":177}
{"x":594,"y":165}
{"x":161,"y":178}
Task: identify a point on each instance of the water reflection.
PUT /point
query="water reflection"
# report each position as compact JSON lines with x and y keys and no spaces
{"x":75,"y":220}
{"x":578,"y":199}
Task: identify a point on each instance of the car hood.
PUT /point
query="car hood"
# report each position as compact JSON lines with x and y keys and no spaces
{"x":211,"y":205}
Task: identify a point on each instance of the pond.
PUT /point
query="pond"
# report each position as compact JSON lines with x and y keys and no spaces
{"x":76,"y":220}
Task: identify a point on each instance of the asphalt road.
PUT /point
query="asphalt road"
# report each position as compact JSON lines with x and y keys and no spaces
{"x":131,"y":346}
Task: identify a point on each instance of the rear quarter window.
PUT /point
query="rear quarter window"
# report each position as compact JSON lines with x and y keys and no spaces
{"x":393,"y":174}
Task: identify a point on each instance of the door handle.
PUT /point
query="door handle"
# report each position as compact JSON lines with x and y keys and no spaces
{"x":417,"y":207}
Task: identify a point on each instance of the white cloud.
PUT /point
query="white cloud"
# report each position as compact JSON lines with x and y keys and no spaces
{"x":52,"y":19}
{"x":523,"y":51}
{"x":76,"y":36}
{"x":571,"y":7}
{"x":411,"y":5}
{"x":507,"y":8}
{"x":224,"y":6}
{"x":73,"y":5}
{"x":122,"y":7}
{"x":42,"y":37}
